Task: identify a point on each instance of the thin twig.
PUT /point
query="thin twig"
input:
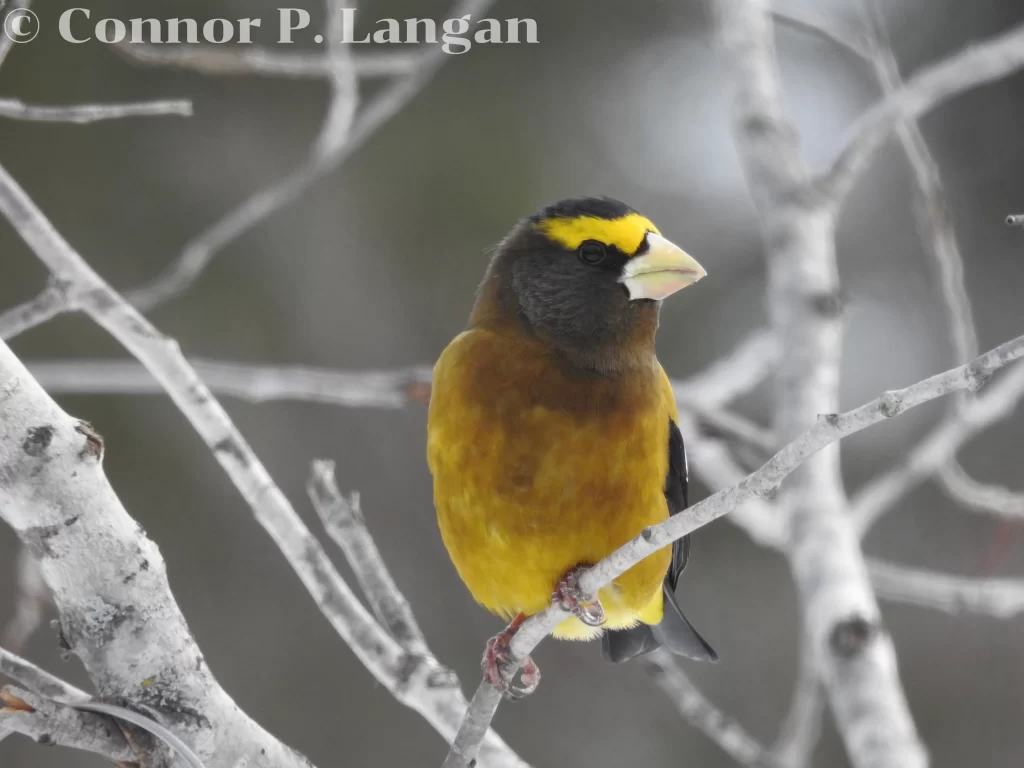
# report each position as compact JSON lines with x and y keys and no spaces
{"x":51,"y":723}
{"x":92,"y":113}
{"x":931,"y":208}
{"x":702,"y":714}
{"x":801,"y":728}
{"x":937,"y":448}
{"x":762,"y":483}
{"x":253,"y":383}
{"x":1000,"y":598}
{"x":180,"y":274}
{"x":37,"y":679}
{"x":344,"y":522}
{"x":980,"y":497}
{"x":242,"y":60}
{"x":51,"y":301}
{"x":733,"y":375}
{"x":821,"y":25}
{"x":975,"y":65}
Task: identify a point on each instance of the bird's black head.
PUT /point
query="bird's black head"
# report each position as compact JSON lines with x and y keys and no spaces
{"x":586,"y":276}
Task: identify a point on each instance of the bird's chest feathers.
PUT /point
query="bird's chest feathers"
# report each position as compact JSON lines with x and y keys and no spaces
{"x":533,"y":448}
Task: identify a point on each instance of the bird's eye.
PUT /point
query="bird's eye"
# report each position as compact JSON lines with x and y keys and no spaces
{"x":592,"y":252}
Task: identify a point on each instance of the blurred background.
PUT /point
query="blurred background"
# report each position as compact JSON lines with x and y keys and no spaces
{"x":375,"y":267}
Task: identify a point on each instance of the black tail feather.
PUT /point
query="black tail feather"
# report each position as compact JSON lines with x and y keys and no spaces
{"x":674,"y":633}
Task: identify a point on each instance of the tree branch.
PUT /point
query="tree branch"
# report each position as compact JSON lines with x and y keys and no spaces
{"x":179,"y":275}
{"x":975,"y":65}
{"x":49,"y":723}
{"x":937,"y":448}
{"x":702,"y":714}
{"x":854,"y":655}
{"x":343,"y":520}
{"x":215,"y":60}
{"x":980,"y":497}
{"x":92,"y":113}
{"x":1000,"y":598}
{"x":50,"y":302}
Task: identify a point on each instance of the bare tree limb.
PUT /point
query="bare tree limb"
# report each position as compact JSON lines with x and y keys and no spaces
{"x":975,"y":65}
{"x":821,"y":25}
{"x":216,"y":60}
{"x":980,"y":497}
{"x":197,"y":254}
{"x":762,"y":483}
{"x":801,"y":728}
{"x":253,"y":383}
{"x":733,"y":375}
{"x":931,"y":209}
{"x":702,"y":714}
{"x":854,"y":655}
{"x":50,"y":723}
{"x":937,"y":448}
{"x":343,"y":520}
{"x":50,"y":302}
{"x":36,"y":679}
{"x":1001,"y":598}
{"x":425,"y":687}
{"x":92,"y":113}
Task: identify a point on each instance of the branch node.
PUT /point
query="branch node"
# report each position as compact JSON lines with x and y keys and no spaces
{"x":93,"y":448}
{"x":851,"y":636}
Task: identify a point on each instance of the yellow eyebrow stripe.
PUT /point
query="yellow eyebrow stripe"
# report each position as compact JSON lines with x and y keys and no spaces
{"x":625,"y":233}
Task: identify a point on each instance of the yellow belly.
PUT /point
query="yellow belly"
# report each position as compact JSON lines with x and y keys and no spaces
{"x":536,"y":471}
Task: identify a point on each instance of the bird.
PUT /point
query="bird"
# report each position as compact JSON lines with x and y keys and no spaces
{"x":553,"y":437}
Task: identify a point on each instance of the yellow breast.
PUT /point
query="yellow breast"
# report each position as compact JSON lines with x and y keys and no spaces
{"x":538,"y":469}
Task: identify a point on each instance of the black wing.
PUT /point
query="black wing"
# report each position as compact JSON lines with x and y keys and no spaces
{"x":677,"y":496}
{"x":674,"y":632}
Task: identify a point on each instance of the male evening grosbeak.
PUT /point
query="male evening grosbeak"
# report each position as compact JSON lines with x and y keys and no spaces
{"x":552,"y":432}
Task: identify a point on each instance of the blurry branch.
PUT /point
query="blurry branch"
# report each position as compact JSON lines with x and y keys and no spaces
{"x":328,"y":153}
{"x":981,"y":497}
{"x":938,"y":448}
{"x":50,"y":723}
{"x":854,"y":655}
{"x":36,"y":679}
{"x":931,"y":209}
{"x":1015,"y":220}
{"x":244,"y":60}
{"x":92,"y":113}
{"x":343,"y":520}
{"x":702,"y":714}
{"x":801,"y":728}
{"x":253,"y":383}
{"x":823,"y":26}
{"x":441,"y":701}
{"x":1001,"y":598}
{"x":49,"y":303}
{"x":33,"y":598}
{"x":763,"y":483}
{"x":974,"y":66}
{"x":734,"y":374}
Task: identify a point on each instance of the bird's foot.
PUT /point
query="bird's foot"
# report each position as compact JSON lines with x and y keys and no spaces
{"x":500,"y":670}
{"x":567,"y":595}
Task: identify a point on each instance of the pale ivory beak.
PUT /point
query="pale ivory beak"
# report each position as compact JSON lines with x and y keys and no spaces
{"x":664,"y":269}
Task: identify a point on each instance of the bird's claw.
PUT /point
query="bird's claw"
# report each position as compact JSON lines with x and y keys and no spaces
{"x":500,"y":670}
{"x":567,"y":595}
